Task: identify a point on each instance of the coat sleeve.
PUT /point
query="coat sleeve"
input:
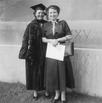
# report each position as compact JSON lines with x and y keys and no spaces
{"x":24,"y":47}
{"x":67,"y":30}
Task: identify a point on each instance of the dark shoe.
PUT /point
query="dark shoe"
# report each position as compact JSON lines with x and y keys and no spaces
{"x":55,"y":100}
{"x":48,"y":96}
{"x":35,"y":98}
{"x":63,"y":101}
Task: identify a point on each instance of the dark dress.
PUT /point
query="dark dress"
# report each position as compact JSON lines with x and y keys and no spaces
{"x":32,"y":51}
{"x":58,"y":74}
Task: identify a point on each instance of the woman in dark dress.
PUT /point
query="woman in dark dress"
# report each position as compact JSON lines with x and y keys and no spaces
{"x":55,"y":32}
{"x":32,"y":51}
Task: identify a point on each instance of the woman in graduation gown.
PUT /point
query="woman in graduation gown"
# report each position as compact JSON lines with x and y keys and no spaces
{"x":32,"y":51}
{"x":54,"y":32}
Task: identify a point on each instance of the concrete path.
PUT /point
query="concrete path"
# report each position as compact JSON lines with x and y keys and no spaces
{"x":17,"y":93}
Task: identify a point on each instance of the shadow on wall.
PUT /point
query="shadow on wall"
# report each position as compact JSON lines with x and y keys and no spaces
{"x":12,"y":32}
{"x":85,"y":33}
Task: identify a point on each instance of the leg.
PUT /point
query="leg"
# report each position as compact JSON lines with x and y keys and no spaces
{"x":63,"y":96}
{"x":57,"y":94}
{"x":35,"y":94}
{"x":46,"y":93}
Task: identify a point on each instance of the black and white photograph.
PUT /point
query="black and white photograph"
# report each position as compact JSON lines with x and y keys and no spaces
{"x":50,"y":51}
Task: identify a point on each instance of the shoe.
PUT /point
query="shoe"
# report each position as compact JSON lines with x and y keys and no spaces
{"x":48,"y":96}
{"x":55,"y":100}
{"x":35,"y":98}
{"x":63,"y":101}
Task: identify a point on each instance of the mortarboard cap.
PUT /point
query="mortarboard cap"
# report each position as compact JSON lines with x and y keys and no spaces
{"x":40,"y":6}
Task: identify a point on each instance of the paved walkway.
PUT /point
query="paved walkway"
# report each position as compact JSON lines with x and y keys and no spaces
{"x":17,"y":93}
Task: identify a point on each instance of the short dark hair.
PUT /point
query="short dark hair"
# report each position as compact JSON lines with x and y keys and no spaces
{"x":54,"y":7}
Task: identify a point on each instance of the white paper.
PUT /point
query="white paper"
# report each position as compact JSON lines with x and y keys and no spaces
{"x":55,"y":52}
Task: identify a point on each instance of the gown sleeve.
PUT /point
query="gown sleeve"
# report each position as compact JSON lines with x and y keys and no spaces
{"x":28,"y":40}
{"x":24,"y":47}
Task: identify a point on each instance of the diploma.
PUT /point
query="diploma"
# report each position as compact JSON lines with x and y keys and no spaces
{"x":55,"y":52}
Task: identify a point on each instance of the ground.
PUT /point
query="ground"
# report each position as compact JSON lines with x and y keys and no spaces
{"x":17,"y":93}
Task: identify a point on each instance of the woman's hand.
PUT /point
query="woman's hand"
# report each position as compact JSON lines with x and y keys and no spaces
{"x":54,"y":42}
{"x":65,"y":38}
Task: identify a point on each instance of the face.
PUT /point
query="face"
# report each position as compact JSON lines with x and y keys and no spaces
{"x":52,"y":14}
{"x":39,"y":14}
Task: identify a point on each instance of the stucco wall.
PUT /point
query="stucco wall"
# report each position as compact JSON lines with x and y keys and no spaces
{"x":11,"y":68}
{"x":87,"y":67}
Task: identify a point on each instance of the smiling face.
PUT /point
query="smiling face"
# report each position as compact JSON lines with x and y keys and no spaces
{"x":52,"y":14}
{"x":39,"y":14}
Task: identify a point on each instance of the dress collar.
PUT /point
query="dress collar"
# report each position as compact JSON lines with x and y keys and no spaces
{"x":38,"y":21}
{"x":54,"y":21}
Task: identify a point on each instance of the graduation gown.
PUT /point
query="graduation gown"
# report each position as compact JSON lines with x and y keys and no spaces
{"x":32,"y":51}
